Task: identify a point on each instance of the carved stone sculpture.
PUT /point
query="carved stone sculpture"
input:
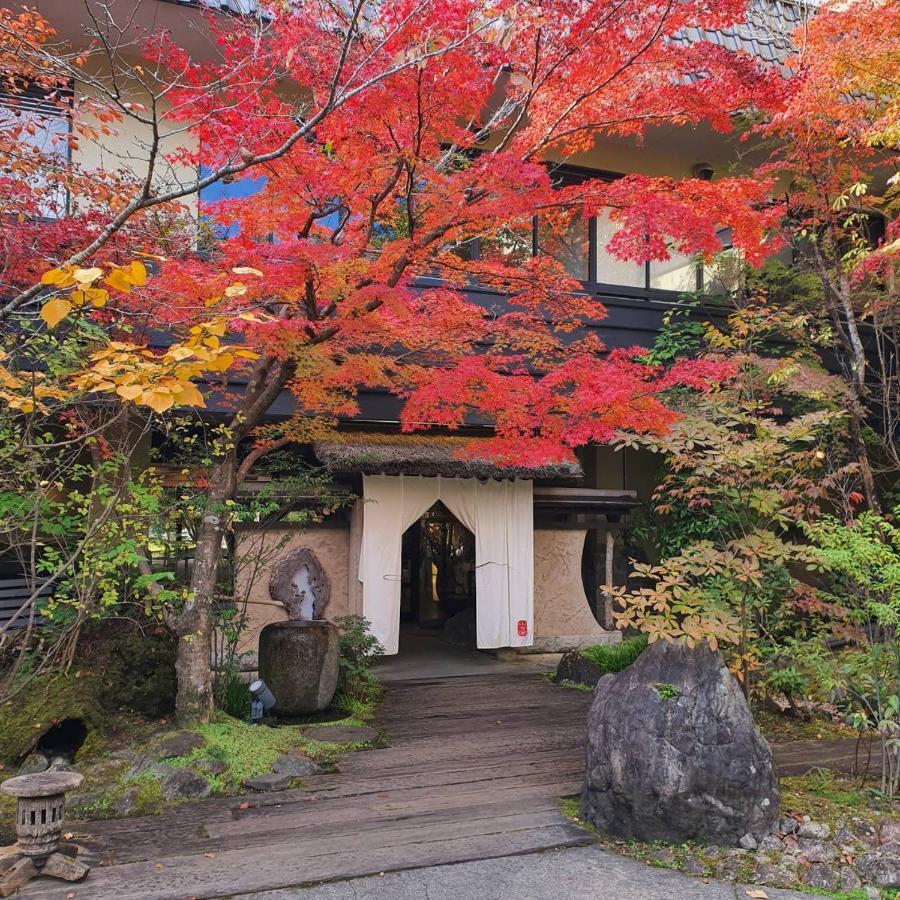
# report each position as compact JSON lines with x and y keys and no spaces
{"x":300,"y":584}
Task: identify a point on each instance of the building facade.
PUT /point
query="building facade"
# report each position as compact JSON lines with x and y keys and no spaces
{"x":421,"y":540}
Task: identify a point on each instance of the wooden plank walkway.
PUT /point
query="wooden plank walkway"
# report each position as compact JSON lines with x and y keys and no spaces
{"x":476,"y":768}
{"x":845,"y":755}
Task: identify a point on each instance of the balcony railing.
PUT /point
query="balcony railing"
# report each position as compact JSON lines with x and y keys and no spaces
{"x":235,"y":7}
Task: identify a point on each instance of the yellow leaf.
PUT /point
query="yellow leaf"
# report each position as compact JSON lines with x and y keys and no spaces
{"x":235,"y":290}
{"x":247,"y":270}
{"x":129,"y":391}
{"x":55,"y":310}
{"x":58,"y":278}
{"x":96,"y":296}
{"x":86,"y":276}
{"x":189,"y":396}
{"x":221,"y":362}
{"x":157,"y":400}
{"x":119,"y":281}
{"x":246,"y":354}
{"x":137,"y":272}
{"x":179,"y":353}
{"x":8,"y":380}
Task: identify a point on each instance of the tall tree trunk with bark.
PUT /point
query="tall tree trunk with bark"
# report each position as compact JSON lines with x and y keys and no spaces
{"x":194,"y":624}
{"x":193,"y":664}
{"x":839,"y":294}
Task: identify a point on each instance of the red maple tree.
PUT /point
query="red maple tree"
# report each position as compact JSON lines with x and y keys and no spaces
{"x":390,"y":137}
{"x":835,"y":152}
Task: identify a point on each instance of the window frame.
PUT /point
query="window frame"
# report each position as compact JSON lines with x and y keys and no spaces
{"x":563,"y":176}
{"x":34,"y":99}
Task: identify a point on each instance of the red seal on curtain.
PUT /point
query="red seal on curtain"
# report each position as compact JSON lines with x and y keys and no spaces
{"x":522,"y":627}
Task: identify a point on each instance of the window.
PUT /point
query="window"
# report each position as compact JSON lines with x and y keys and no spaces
{"x":581,"y":247}
{"x":677,"y":273}
{"x":238,"y":7}
{"x":611,"y":269}
{"x":567,"y":240}
{"x":41,"y":128}
{"x":509,"y":246}
{"x":233,"y":189}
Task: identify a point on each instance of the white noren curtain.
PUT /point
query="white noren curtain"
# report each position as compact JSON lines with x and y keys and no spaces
{"x":498,"y":513}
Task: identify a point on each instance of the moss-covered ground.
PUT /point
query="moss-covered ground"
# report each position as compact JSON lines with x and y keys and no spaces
{"x":829,"y":797}
{"x":250,"y":750}
{"x":232,"y":750}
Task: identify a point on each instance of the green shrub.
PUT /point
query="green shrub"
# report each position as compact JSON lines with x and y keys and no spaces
{"x":615,"y":657}
{"x":788,"y":681}
{"x":231,"y":693}
{"x":359,"y":650}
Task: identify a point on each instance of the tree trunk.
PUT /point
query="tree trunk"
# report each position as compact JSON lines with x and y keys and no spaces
{"x":194,"y":626}
{"x":870,"y":489}
{"x":846,"y":322}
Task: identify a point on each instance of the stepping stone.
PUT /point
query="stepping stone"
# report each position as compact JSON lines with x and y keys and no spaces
{"x":296,"y":766}
{"x":273,"y":781}
{"x":178,"y":743}
{"x":211,"y":766}
{"x":184,"y":784}
{"x":341,"y":734}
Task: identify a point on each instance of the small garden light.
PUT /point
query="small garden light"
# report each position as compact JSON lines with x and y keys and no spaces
{"x":261,"y":700}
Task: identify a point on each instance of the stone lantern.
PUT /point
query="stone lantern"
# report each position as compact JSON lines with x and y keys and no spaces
{"x":40,"y":808}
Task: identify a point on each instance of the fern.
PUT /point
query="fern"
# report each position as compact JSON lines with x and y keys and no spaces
{"x":615,"y":657}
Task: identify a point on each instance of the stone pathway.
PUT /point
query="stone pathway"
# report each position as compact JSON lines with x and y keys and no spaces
{"x":423,"y":655}
{"x":579,"y":873}
{"x":475,"y":771}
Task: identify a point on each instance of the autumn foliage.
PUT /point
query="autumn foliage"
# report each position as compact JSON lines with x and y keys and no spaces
{"x":448,"y":117}
{"x":387,"y":138}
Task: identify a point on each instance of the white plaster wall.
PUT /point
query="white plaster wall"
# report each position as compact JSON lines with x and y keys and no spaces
{"x":127,"y":148}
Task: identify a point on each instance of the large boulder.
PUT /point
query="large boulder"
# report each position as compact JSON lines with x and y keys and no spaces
{"x":673,"y":753}
{"x":298,"y":660}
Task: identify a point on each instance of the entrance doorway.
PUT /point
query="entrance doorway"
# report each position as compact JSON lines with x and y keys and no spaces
{"x":437,"y":592}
